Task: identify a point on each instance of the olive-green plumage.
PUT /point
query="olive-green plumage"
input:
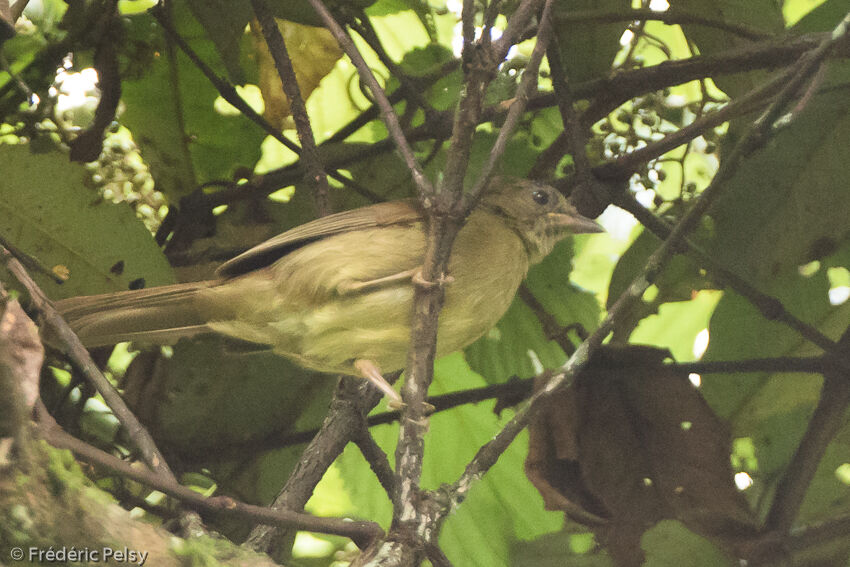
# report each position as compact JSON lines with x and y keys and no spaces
{"x":339,"y":289}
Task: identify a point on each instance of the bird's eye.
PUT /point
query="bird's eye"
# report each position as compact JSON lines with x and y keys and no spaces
{"x":540,"y":197}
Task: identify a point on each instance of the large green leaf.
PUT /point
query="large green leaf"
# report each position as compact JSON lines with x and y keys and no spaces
{"x":787,"y":203}
{"x":221,"y":398}
{"x":670,"y":543}
{"x":739,"y":331}
{"x":823,"y":16}
{"x":48,"y":212}
{"x":558,"y":549}
{"x":677,"y":324}
{"x":169,"y":107}
{"x":773,"y":409}
{"x":587,"y":51}
{"x":760,"y":15}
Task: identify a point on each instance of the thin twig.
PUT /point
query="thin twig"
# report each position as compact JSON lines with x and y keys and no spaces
{"x":575,"y":137}
{"x":228,"y":92}
{"x":29,"y":262}
{"x":607,"y":93}
{"x":770,"y":307}
{"x":225,"y":89}
{"x":624,"y":166}
{"x":78,"y":354}
{"x":377,"y":459}
{"x":316,"y":175}
{"x":671,"y":16}
{"x":390,"y":118}
{"x":818,"y":533}
{"x":512,"y":392}
{"x":552,"y":330}
{"x":527,"y":86}
{"x":781,"y":364}
{"x":409,"y":86}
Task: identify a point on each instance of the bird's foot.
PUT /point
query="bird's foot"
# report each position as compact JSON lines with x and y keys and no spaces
{"x":370,"y":371}
{"x":442,"y":281}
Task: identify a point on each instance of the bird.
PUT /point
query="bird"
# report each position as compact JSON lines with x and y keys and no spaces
{"x":336,"y":294}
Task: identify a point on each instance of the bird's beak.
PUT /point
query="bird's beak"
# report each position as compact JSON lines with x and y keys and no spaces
{"x":576,"y":223}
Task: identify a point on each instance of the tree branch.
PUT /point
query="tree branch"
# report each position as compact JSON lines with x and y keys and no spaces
{"x":361,"y":533}
{"x":605,"y":94}
{"x":316,"y":176}
{"x":53,"y":322}
{"x":670,"y":16}
{"x":387,"y":112}
{"x":770,"y":307}
{"x":352,"y":400}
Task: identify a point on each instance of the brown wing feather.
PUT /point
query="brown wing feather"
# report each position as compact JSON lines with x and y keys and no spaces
{"x":265,"y":253}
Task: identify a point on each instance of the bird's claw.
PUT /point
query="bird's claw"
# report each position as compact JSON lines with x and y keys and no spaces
{"x":443,"y":280}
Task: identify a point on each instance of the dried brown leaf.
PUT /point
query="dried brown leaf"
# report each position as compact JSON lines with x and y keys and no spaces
{"x":642,"y":446}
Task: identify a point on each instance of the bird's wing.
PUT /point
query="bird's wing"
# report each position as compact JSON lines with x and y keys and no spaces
{"x":266,"y":253}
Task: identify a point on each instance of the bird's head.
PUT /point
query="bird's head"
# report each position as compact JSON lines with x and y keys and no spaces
{"x":537,"y":212}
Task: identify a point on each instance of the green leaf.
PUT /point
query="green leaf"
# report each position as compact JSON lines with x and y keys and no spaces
{"x":225,"y":22}
{"x":760,"y":15}
{"x":170,"y":109}
{"x":786,"y":204}
{"x":739,"y":331}
{"x":556,"y":550}
{"x":820,"y":18}
{"x":588,"y":50}
{"x":48,"y":212}
{"x":773,"y":409}
{"x":679,"y":280}
{"x":205,"y":408}
{"x":676,"y":325}
{"x":670,"y":543}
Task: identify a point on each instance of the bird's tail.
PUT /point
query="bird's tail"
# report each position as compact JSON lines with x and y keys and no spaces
{"x":159,"y":315}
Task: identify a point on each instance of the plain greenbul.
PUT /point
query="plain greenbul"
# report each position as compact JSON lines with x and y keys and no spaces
{"x":336,"y":294}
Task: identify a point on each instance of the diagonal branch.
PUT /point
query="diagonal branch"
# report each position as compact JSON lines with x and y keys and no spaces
{"x":604,"y":94}
{"x":770,"y":307}
{"x":228,"y":92}
{"x":78,"y":354}
{"x":316,"y":175}
{"x":361,"y":532}
{"x":390,"y":117}
{"x":353,"y":399}
{"x":575,"y":135}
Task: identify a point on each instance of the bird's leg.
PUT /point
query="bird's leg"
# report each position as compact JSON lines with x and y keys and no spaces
{"x":352,"y":286}
{"x":370,"y":371}
{"x":414,"y":275}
